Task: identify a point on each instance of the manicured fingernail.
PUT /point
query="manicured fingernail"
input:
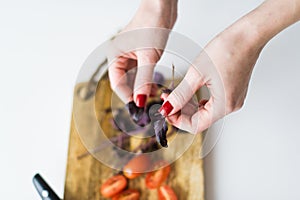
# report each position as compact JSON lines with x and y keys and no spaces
{"x":141,"y":100}
{"x":166,"y":109}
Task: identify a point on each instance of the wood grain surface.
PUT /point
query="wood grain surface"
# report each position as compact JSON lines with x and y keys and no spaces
{"x":84,"y":176}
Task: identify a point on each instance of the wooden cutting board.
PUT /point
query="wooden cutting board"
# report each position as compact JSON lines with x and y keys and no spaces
{"x":85,"y":175}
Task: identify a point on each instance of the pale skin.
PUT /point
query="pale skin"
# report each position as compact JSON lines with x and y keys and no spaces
{"x":233,"y":52}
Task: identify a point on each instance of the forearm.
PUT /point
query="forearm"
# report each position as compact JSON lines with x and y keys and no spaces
{"x":270,"y":18}
{"x":163,"y":11}
{"x":158,"y":5}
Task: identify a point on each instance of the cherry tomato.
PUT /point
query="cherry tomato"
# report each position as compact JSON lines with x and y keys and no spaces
{"x":156,"y":178}
{"x":130,"y":194}
{"x":113,"y":186}
{"x":166,"y":193}
{"x":136,"y":166}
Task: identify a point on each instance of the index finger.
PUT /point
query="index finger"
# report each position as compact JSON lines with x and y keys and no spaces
{"x":119,"y":77}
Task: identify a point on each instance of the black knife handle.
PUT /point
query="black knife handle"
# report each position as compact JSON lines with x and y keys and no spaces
{"x":44,"y":190}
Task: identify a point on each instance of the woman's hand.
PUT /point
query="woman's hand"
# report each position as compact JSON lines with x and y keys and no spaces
{"x":225,"y":67}
{"x":150,"y":14}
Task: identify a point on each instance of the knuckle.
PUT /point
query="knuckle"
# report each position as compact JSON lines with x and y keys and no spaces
{"x":178,"y":97}
{"x":142,"y":87}
{"x":181,"y":95}
{"x":141,"y":81}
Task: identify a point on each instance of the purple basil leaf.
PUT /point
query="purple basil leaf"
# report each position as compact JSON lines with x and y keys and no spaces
{"x":167,"y":90}
{"x":135,"y":112}
{"x":160,"y":129}
{"x":159,"y":125}
{"x":158,"y":78}
{"x":144,"y":120}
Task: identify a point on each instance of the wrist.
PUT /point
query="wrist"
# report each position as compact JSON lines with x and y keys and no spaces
{"x":243,"y":36}
{"x":157,"y":13}
{"x":267,"y":20}
{"x":159,"y":5}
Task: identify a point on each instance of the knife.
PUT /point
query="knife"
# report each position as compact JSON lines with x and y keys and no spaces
{"x":44,"y":190}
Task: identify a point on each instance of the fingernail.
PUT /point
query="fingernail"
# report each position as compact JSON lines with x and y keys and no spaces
{"x":166,"y":109}
{"x":141,"y":100}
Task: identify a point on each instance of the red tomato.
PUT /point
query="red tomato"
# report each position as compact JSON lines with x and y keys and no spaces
{"x":130,"y":194}
{"x":156,"y":178}
{"x":113,"y":186}
{"x":166,"y":193}
{"x":136,"y":166}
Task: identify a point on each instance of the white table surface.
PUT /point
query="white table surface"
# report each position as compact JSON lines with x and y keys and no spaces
{"x":42,"y":47}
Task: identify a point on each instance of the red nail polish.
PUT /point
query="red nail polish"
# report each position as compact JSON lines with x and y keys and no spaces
{"x":166,"y":109}
{"x":141,"y":100}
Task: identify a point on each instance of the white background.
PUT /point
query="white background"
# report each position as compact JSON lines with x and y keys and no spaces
{"x":44,"y":43}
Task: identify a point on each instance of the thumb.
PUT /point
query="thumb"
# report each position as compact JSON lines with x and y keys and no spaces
{"x":183,"y":93}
